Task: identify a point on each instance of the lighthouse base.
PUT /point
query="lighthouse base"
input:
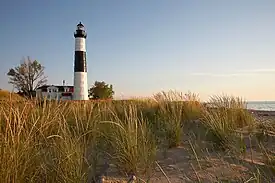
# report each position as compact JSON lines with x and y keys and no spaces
{"x":80,"y":86}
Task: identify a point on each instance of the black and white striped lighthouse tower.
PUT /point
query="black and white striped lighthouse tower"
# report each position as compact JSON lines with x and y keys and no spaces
{"x":80,"y":65}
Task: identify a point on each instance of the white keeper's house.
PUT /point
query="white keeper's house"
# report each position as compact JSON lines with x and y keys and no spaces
{"x":54,"y":92}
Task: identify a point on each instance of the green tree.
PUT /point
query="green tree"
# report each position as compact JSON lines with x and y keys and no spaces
{"x":101,"y":90}
{"x":27,"y":77}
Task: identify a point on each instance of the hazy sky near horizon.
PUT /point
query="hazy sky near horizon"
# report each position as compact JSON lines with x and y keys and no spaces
{"x":145,"y":46}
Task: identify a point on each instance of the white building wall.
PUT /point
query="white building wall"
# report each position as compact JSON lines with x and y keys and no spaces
{"x":52,"y":93}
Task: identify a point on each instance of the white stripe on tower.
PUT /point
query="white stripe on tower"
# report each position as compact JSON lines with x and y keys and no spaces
{"x":80,"y":68}
{"x":80,"y":44}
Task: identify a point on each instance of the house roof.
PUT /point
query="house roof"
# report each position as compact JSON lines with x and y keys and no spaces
{"x":58,"y":86}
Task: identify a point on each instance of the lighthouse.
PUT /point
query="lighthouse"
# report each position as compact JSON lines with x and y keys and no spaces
{"x":80,"y":65}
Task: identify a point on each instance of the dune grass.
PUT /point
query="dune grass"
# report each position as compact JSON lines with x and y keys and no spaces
{"x":79,"y":141}
{"x":6,"y":95}
{"x":226,"y":115}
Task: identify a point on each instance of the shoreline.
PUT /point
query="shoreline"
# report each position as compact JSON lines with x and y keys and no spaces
{"x":261,"y":112}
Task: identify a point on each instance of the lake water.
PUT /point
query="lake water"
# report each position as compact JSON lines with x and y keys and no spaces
{"x":262,"y":105}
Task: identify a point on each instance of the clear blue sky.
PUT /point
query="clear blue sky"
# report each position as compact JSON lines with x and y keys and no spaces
{"x":145,"y":46}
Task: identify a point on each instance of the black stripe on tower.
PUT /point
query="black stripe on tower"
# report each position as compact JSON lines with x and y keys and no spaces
{"x":80,"y":61}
